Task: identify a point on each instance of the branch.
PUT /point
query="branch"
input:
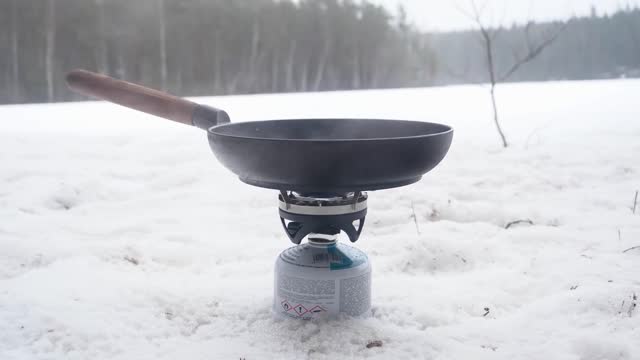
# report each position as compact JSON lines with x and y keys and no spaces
{"x":527,"y":33}
{"x":515,"y":222}
{"x":533,"y":52}
{"x":415,"y":218}
{"x":631,"y":248}
{"x":475,"y":15}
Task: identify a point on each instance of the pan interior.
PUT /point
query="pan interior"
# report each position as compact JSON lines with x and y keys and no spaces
{"x":330,"y":129}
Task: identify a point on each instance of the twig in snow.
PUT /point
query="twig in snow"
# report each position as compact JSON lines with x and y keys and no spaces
{"x":415,"y":218}
{"x":631,"y":248}
{"x":374,"y":343}
{"x":635,"y":202}
{"x":619,"y":235}
{"x":527,"y":221}
{"x":487,"y":310}
{"x":573,"y":287}
{"x":132,"y":260}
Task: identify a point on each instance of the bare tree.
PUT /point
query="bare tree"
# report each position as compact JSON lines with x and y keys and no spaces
{"x":50,"y":47}
{"x":289,"y":85}
{"x":488,"y":37}
{"x":323,"y":59}
{"x":254,"y":55}
{"x":163,"y":43}
{"x":101,"y":46}
{"x":15,"y":61}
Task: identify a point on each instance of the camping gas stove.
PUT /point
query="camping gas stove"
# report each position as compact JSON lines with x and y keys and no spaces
{"x":322,"y":278}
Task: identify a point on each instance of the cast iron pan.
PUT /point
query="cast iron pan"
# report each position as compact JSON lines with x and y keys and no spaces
{"x":302,"y":155}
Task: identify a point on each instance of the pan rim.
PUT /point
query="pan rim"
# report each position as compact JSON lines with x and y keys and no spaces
{"x":212,"y":130}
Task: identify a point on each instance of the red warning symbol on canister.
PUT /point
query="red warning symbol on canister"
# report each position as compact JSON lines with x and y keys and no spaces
{"x":317,"y":309}
{"x":285,"y":305}
{"x":300,"y":309}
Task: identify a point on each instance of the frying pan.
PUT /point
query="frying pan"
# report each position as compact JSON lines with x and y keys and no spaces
{"x":302,"y":155}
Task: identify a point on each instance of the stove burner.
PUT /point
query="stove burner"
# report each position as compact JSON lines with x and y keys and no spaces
{"x":322,"y":213}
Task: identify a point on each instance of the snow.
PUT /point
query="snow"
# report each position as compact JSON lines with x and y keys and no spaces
{"x":121,"y":236}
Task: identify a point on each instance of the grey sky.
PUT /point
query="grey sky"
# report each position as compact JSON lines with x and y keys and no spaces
{"x":444,"y":14}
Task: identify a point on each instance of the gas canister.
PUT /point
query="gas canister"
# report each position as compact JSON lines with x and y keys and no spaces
{"x":322,"y":278}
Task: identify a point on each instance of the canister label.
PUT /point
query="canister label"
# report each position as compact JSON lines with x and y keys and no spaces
{"x":314,"y":282}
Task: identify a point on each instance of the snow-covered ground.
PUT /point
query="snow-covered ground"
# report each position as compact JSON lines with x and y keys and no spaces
{"x":121,"y":237}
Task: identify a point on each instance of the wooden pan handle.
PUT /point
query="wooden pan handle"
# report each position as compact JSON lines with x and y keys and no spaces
{"x":147,"y":100}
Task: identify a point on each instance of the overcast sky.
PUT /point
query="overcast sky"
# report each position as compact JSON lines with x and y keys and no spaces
{"x":442,"y":15}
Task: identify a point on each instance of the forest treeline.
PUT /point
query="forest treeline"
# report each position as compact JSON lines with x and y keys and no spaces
{"x":592,"y":47}
{"x":207,"y":47}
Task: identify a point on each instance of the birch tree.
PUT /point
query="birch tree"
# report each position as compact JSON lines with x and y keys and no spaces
{"x":162,"y":29}
{"x":15,"y":58}
{"x":101,"y":41}
{"x":50,"y":50}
